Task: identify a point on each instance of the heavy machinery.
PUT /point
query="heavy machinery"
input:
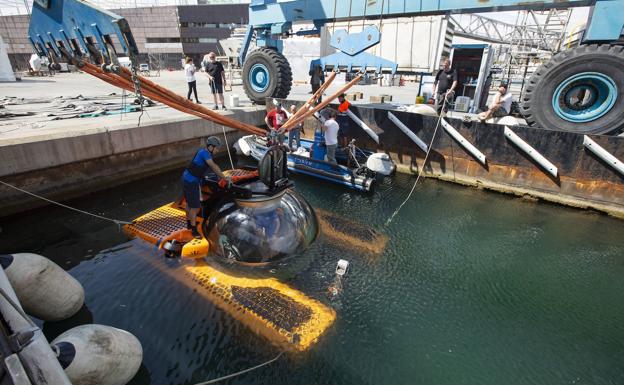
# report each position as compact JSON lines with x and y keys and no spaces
{"x":579,"y":90}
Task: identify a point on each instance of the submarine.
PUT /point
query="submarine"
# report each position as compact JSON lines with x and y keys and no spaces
{"x":257,"y":221}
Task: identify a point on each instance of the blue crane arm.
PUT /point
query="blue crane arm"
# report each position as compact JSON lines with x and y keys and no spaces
{"x":78,"y":28}
{"x":275,"y":15}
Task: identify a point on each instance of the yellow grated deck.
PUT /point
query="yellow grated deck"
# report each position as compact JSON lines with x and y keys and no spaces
{"x":157,"y":224}
{"x":270,"y":308}
{"x":285,"y":316}
{"x":350,"y":234}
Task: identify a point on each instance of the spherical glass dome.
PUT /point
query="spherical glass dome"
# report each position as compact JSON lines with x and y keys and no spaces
{"x":264,"y":231}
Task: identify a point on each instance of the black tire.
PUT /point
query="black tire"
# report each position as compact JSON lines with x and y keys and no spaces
{"x":280,"y":75}
{"x":537,"y":100}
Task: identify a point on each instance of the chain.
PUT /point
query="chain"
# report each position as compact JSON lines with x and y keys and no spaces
{"x":137,"y":85}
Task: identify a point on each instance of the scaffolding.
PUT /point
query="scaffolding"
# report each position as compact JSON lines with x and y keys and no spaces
{"x":515,"y":62}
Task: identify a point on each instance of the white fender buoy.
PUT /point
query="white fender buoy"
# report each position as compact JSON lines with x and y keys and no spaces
{"x":423,"y":109}
{"x":381,"y":163}
{"x":45,"y":290}
{"x":98,"y":355}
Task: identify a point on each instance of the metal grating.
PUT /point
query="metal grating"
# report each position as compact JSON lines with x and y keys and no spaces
{"x":273,"y":306}
{"x":158,"y":223}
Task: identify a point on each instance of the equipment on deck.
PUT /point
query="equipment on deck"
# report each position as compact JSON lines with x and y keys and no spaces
{"x":356,"y":168}
{"x":259,"y":219}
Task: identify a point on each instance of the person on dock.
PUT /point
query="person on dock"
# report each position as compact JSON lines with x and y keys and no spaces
{"x":294,"y":135}
{"x":274,"y":120}
{"x":216,"y":76}
{"x":200,"y":166}
{"x":189,"y":72}
{"x":444,"y":86}
{"x":343,"y":120}
{"x":317,"y":78}
{"x":500,"y":106}
{"x":331,"y":128}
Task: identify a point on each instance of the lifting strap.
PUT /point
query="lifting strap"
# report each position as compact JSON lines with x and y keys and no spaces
{"x":165,"y":96}
{"x":293,"y":122}
{"x":125,"y":80}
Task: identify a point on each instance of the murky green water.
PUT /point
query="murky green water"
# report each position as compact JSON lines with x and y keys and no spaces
{"x":473,"y":288}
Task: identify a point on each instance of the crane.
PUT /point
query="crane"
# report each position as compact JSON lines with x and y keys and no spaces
{"x":578,"y":90}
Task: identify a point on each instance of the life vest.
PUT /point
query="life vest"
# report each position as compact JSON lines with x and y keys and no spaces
{"x":198,"y":171}
{"x":344,"y":106}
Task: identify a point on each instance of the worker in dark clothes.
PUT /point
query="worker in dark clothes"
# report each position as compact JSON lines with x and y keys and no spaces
{"x":444,"y":86}
{"x":317,"y":78}
{"x":216,"y":76}
{"x":344,"y":132}
{"x":202,"y":165}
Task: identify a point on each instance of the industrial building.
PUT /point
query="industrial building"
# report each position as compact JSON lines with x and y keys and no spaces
{"x":164,"y":34}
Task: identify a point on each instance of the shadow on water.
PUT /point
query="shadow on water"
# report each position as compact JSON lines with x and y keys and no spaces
{"x":470,"y":288}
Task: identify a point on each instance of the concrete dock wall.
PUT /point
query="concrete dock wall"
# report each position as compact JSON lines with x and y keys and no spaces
{"x":66,"y":166}
{"x":583,"y":179}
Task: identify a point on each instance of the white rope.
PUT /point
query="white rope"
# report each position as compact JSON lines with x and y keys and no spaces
{"x":115,"y":221}
{"x":213,"y":86}
{"x":422,"y":169}
{"x":241,"y":372}
{"x":227,"y":146}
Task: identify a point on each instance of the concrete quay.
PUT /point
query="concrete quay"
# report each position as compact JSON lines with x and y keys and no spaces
{"x":61,"y":159}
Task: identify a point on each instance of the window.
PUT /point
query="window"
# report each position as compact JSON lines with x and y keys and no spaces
{"x":162,"y":40}
{"x":199,"y":25}
{"x":207,"y":40}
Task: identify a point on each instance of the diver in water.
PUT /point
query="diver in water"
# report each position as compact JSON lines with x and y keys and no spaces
{"x":201,"y":165}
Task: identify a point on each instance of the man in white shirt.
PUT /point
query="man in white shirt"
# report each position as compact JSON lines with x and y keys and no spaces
{"x":331,"y":136}
{"x":501,"y":105}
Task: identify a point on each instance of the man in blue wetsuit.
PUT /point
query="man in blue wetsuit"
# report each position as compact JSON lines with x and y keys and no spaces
{"x":201,"y":165}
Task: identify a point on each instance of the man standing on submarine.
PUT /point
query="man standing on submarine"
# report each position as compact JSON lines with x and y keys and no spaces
{"x":201,"y":165}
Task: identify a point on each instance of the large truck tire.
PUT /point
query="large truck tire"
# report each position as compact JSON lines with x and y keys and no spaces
{"x":266,"y":74}
{"x":579,"y":90}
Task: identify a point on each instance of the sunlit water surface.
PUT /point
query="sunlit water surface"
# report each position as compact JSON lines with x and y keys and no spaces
{"x":472,"y":288}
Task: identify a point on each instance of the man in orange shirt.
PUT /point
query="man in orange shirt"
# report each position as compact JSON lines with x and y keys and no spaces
{"x":343,"y":120}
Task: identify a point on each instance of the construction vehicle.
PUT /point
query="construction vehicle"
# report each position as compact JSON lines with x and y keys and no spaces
{"x":578,"y":90}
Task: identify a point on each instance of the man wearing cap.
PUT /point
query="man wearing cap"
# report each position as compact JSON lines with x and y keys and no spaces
{"x":201,"y":165}
{"x":275,"y":119}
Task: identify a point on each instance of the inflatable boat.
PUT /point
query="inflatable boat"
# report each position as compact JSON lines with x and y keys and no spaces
{"x":356,"y":168}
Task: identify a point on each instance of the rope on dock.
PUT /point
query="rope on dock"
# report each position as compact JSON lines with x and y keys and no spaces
{"x":241,"y":372}
{"x":422,"y":169}
{"x":115,"y":221}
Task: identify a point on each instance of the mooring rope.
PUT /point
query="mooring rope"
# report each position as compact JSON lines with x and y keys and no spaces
{"x":115,"y":221}
{"x":422,"y":169}
{"x":241,"y":372}
{"x":227,"y":146}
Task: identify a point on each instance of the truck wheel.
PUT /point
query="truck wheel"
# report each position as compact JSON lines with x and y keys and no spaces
{"x":579,"y":90}
{"x":266,"y":73}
